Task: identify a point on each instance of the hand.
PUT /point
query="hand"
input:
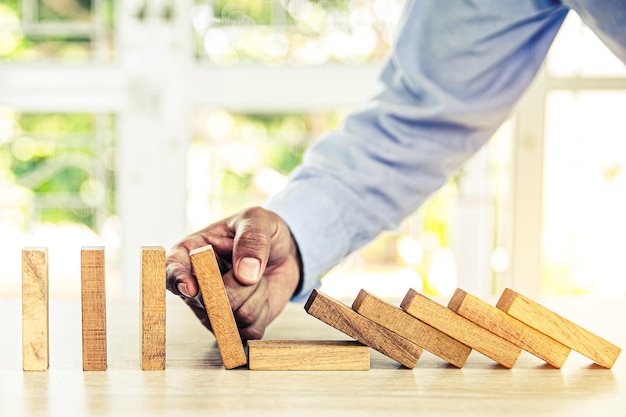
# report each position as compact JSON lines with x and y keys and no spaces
{"x":260,"y":264}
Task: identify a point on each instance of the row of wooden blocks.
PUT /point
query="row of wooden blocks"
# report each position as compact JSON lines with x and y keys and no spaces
{"x":35,"y":296}
{"x":499,"y":332}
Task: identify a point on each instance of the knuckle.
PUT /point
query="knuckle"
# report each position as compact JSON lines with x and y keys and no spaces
{"x":253,"y":239}
{"x":246,"y":315}
{"x":253,"y":332}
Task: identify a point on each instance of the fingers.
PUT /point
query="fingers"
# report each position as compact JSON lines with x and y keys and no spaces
{"x":179,"y":277}
{"x":249,"y":304}
{"x":253,"y":229}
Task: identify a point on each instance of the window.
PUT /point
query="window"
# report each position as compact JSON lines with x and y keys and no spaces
{"x":131,"y":144}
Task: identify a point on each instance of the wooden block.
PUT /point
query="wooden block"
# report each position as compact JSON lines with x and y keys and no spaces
{"x":509,"y":328}
{"x":412,"y":329}
{"x":559,"y":328}
{"x":308,"y":355}
{"x":93,"y":301}
{"x":35,"y":339}
{"x":152,"y":308}
{"x":460,"y":328}
{"x":346,"y":320}
{"x":217,"y":306}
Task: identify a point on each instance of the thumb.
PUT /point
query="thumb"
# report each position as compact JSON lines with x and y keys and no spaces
{"x":251,"y":247}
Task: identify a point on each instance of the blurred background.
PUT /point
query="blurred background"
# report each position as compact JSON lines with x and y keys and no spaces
{"x":136,"y":122}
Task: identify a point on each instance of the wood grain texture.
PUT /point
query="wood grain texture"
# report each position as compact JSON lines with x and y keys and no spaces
{"x":509,"y":328}
{"x":308,"y":355}
{"x":93,"y":302}
{"x":218,"y":308}
{"x":412,"y":329}
{"x":346,"y":320}
{"x":460,"y":328}
{"x":559,"y":328}
{"x":35,"y":299}
{"x":152,"y":308}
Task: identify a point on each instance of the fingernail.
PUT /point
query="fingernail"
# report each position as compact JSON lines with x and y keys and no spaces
{"x":249,"y":269}
{"x":182,"y":288}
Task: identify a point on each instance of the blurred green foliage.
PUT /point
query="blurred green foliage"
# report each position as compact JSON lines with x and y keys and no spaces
{"x":27,"y":42}
{"x":59,"y":158}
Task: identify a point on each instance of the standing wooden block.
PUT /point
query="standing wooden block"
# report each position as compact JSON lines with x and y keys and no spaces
{"x":217,"y":306}
{"x":346,"y":320}
{"x":308,"y":355}
{"x":460,"y":328}
{"x":93,"y":301}
{"x":152,"y":308}
{"x":509,"y":328}
{"x":35,"y":346}
{"x":412,"y":329}
{"x":559,"y":328}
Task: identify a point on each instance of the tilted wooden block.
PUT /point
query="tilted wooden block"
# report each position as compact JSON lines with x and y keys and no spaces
{"x":218,"y":307}
{"x":35,"y":337}
{"x":509,"y":328}
{"x":559,"y":328}
{"x":93,"y":301}
{"x":308,"y":355}
{"x":412,"y":329}
{"x":152,"y":308}
{"x":346,"y":320}
{"x":460,"y":328}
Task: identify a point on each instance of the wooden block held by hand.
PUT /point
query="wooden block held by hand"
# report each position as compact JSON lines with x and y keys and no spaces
{"x":412,"y":329}
{"x":93,"y":302}
{"x":218,"y":307}
{"x":308,"y":355}
{"x":346,"y":320}
{"x":559,"y":328}
{"x":460,"y":328}
{"x":35,"y":340}
{"x":152,"y":308}
{"x":509,"y":328}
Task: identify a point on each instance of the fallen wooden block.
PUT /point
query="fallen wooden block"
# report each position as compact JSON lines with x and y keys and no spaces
{"x":412,"y":329}
{"x":217,"y":306}
{"x":559,"y":328}
{"x":460,"y":328}
{"x":509,"y":328}
{"x":346,"y":320}
{"x":93,"y":302}
{"x":152,"y":308}
{"x":35,"y":337}
{"x":307,"y":355}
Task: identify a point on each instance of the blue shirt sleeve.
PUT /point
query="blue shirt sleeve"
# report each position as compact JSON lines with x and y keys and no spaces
{"x":455,"y":73}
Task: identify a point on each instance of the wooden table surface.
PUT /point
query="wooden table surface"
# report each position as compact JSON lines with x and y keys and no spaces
{"x":195,"y":383}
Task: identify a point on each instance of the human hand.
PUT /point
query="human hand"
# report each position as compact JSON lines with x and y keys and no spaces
{"x":259,"y":261}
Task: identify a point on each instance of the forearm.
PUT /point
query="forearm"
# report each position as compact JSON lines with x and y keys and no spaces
{"x":447,"y":87}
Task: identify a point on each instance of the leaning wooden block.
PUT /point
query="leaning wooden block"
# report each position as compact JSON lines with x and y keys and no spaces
{"x":460,"y":328}
{"x":217,"y":306}
{"x":559,"y":328}
{"x":346,"y":320}
{"x":509,"y":328}
{"x":308,"y":355}
{"x":412,"y":329}
{"x":93,"y":302}
{"x":35,"y":346}
{"x":152,"y":308}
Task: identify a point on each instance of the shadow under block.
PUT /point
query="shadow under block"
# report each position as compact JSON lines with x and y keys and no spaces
{"x":460,"y":328}
{"x":93,"y":302}
{"x":308,"y":355}
{"x":346,"y":320}
{"x":218,"y":307}
{"x":152,"y":308}
{"x":509,"y":328}
{"x":559,"y":328}
{"x":412,"y":329}
{"x":35,"y":339}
